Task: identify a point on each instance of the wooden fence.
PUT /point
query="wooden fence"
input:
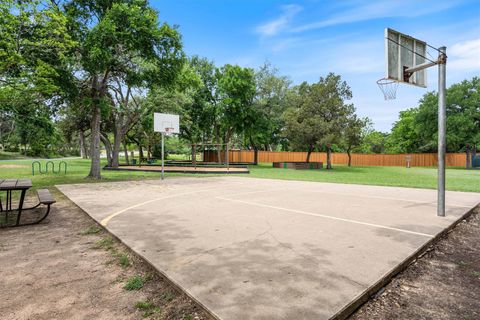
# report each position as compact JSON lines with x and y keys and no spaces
{"x":358,"y":159}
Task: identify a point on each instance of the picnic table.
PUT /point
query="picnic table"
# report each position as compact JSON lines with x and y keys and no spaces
{"x":22,"y":185}
{"x":148,"y":160}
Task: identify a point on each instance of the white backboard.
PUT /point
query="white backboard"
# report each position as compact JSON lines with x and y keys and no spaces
{"x":166,"y":123}
{"x":402,"y":52}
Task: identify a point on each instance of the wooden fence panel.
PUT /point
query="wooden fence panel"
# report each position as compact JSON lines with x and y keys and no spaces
{"x":358,"y":159}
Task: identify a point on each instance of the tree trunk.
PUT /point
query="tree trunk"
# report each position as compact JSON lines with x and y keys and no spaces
{"x":349,"y":157}
{"x":127,"y":161}
{"x":219,"y":147}
{"x":81,"y":140}
{"x":309,"y":153}
{"x":228,"y":136}
{"x":117,"y":141}
{"x":329,"y":158}
{"x":108,"y":149}
{"x":255,"y":152}
{"x":194,"y":154}
{"x":140,"y":151}
{"x":95,"y":145}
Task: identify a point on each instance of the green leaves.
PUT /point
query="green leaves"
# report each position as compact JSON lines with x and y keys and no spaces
{"x":34,"y":46}
{"x":236,"y":89}
{"x":319,"y":117}
{"x":416,"y":129}
{"x":129,"y":42}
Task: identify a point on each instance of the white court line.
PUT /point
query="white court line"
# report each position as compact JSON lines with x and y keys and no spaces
{"x":328,"y":217}
{"x":389,"y":198}
{"x":256,"y":191}
{"x":356,"y":195}
{"x":106,"y":220}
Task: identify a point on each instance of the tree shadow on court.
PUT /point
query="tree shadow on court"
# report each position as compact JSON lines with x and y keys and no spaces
{"x":150,"y":236}
{"x":262,"y":278}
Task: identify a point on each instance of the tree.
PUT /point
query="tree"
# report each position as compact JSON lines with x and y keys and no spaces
{"x":404,"y":138}
{"x":353,"y":135}
{"x":34,"y":48}
{"x":34,"y":76}
{"x":373,"y":141}
{"x":236,"y":88}
{"x":265,"y":122}
{"x":119,"y":42}
{"x":194,"y":102}
{"x":463,"y":117}
{"x":321,"y":115}
{"x":301,"y":130}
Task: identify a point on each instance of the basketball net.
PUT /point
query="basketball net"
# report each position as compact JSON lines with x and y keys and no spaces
{"x":168,"y":131}
{"x":388,"y":87}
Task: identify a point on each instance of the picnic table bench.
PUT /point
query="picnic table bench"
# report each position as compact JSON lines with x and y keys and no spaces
{"x":22,"y":185}
{"x":148,"y":160}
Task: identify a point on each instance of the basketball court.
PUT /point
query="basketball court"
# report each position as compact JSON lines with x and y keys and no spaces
{"x":250,"y":248}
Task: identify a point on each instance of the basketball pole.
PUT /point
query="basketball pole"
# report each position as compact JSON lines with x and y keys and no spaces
{"x":442,"y":114}
{"x":163,"y":154}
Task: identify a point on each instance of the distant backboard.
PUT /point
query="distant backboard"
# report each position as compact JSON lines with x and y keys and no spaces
{"x":166,"y":123}
{"x":403,"y":52}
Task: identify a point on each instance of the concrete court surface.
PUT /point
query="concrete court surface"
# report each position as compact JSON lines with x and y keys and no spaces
{"x":250,"y":248}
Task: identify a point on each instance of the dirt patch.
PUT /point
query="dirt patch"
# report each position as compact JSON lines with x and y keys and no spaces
{"x":443,"y":284}
{"x":69,"y":268}
{"x":12,"y":166}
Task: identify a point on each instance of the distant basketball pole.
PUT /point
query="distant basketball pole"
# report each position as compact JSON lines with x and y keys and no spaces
{"x":166,"y":124}
{"x":163,"y":155}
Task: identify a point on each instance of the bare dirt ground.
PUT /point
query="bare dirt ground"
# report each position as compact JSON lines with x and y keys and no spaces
{"x":442,"y":284}
{"x":69,"y":268}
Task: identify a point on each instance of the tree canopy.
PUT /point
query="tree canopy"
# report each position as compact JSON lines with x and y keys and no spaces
{"x":84,"y":76}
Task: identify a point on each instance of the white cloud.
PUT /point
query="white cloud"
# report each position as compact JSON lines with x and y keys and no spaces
{"x":464,"y":55}
{"x":271,"y":28}
{"x":379,"y":9}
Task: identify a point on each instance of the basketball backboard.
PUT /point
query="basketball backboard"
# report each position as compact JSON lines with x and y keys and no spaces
{"x":403,"y":52}
{"x":166,"y":123}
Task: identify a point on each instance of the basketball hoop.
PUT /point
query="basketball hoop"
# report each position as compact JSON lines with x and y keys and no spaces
{"x":388,"y":87}
{"x":169,"y":131}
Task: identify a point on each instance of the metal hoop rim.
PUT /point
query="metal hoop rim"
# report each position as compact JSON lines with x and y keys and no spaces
{"x":386,"y":81}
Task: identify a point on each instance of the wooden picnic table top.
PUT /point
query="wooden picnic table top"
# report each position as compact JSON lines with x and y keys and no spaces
{"x":15,"y":184}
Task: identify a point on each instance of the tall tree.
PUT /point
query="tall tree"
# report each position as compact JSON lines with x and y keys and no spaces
{"x":353,"y":134}
{"x":34,"y":48}
{"x":120,"y":42}
{"x":237,"y":90}
{"x":205,"y":112}
{"x":322,"y":114}
{"x":265,"y":123}
{"x":463,"y":117}
{"x":34,"y":76}
{"x":300,"y":129}
{"x":404,"y":138}
{"x":374,"y":141}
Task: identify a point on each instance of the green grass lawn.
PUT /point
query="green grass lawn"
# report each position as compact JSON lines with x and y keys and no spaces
{"x":4,"y":155}
{"x":77,"y":170}
{"x":458,"y":179}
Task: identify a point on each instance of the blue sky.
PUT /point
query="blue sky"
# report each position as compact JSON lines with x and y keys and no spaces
{"x":308,"y":39}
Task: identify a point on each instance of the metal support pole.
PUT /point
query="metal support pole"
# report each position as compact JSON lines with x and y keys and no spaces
{"x":163,"y":155}
{"x":227,"y":158}
{"x":442,"y":61}
{"x":194,"y":156}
